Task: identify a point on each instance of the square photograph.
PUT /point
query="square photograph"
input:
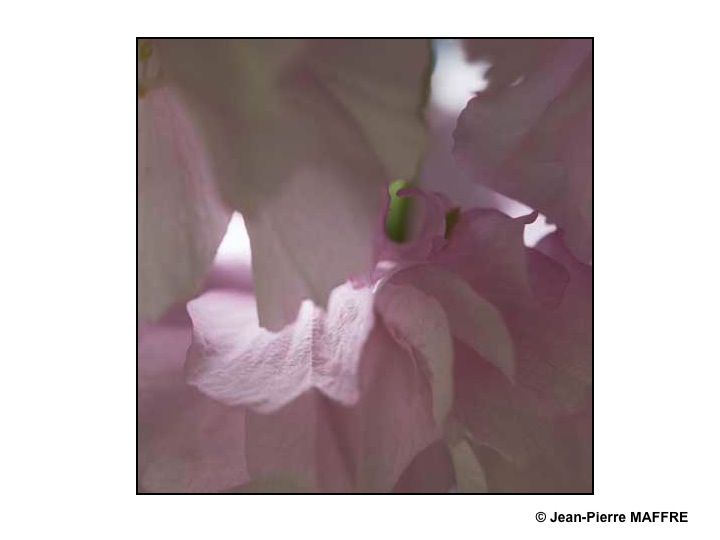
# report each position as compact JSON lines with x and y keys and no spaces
{"x":365,"y":265}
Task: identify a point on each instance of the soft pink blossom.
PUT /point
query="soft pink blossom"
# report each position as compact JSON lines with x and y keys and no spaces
{"x":471,"y":356}
{"x":460,"y":360}
{"x":529,"y":134}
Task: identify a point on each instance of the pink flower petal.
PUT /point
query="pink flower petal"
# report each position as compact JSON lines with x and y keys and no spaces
{"x":532,"y":140}
{"x":510,"y":59}
{"x":181,"y":220}
{"x":186,"y":441}
{"x":565,"y":466}
{"x":497,"y":413}
{"x":341,"y":407}
{"x":430,"y":472}
{"x":328,"y":447}
{"x":520,"y":447}
{"x":472,"y":319}
{"x":419,"y":324}
{"x":235,"y":361}
{"x":442,"y":172}
{"x":546,"y":305}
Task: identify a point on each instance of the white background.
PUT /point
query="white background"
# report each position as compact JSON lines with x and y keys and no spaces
{"x":67,"y":216}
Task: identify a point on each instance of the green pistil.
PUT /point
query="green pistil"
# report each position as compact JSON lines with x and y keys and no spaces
{"x":398,"y":216}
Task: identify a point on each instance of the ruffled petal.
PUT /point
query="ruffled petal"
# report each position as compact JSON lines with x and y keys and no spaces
{"x":328,"y":447}
{"x":346,"y":408}
{"x":186,"y":442}
{"x":304,"y":136}
{"x":181,"y":220}
{"x":235,"y":361}
{"x":532,"y":140}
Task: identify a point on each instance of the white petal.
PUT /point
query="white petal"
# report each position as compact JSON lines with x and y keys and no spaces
{"x":383,"y":83}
